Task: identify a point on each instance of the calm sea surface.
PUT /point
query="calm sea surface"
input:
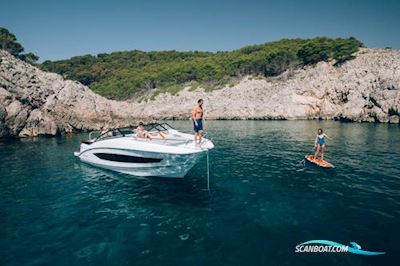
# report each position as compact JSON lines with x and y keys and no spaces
{"x":263,"y":201}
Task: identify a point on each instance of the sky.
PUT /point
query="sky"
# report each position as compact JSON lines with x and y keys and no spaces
{"x":62,"y":29}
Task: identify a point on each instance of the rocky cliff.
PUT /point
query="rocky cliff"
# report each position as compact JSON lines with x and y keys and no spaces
{"x":33,"y":102}
{"x":367,"y":88}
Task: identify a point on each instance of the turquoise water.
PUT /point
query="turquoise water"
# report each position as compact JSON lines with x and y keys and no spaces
{"x":263,"y":201}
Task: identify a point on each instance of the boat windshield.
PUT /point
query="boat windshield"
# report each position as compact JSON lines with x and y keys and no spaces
{"x":129,"y":131}
{"x":157,"y":127}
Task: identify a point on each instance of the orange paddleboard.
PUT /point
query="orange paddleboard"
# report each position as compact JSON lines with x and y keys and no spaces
{"x":318,"y":161}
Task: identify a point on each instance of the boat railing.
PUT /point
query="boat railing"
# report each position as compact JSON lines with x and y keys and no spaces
{"x":188,"y":141}
{"x":163,"y":141}
{"x":185,"y":142}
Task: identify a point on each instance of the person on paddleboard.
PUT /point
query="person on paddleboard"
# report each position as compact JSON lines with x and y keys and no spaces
{"x":320,"y":142}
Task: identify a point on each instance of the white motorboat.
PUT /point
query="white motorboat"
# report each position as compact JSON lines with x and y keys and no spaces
{"x":167,"y":153}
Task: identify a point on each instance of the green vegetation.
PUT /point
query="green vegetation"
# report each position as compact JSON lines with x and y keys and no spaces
{"x":125,"y":74}
{"x":173,"y":89}
{"x":8,"y":42}
{"x":322,"y":49}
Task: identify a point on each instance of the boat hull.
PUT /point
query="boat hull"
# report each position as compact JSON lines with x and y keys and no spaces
{"x":160,"y":165}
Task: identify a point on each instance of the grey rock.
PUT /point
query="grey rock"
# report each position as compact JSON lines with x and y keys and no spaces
{"x":365,"y":89}
{"x":33,"y":102}
{"x":394,"y":119}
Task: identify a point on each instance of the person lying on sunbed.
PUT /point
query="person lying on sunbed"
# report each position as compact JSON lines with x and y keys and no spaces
{"x":141,"y":132}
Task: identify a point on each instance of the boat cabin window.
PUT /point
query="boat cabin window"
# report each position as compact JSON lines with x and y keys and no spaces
{"x":126,"y":158}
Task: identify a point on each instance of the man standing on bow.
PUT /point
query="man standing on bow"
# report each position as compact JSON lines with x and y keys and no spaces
{"x":198,"y":119}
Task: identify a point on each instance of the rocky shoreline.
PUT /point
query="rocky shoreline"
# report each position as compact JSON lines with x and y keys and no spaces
{"x":365,"y":89}
{"x":35,"y":103}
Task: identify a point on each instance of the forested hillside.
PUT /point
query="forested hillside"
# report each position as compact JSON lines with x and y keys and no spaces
{"x":122,"y":75}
